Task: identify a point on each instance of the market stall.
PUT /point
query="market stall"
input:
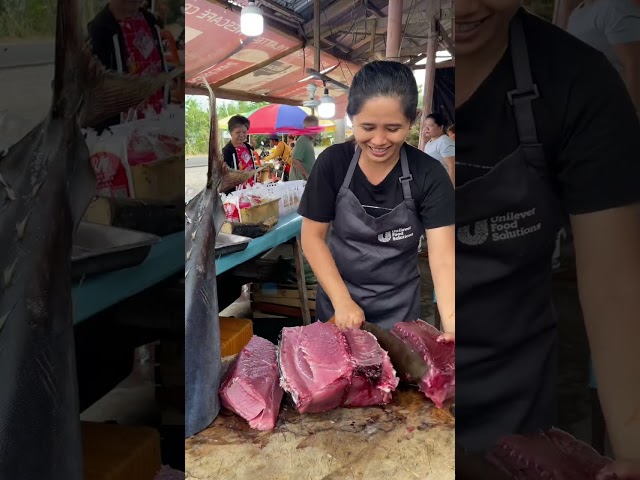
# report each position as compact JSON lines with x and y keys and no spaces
{"x":407,"y":435}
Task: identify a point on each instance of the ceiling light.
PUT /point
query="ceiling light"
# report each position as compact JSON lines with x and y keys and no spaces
{"x":251,"y":22}
{"x":327,"y":107}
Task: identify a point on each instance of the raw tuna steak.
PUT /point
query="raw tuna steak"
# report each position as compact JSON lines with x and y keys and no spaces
{"x":251,"y":386}
{"x":315,"y":366}
{"x":440,"y":381}
{"x":373,"y":377}
{"x":323,"y":368}
{"x":547,"y":455}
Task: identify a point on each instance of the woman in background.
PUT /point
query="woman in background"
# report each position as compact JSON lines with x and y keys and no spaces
{"x":439,"y":145}
{"x":613,"y":28}
{"x":238,"y":153}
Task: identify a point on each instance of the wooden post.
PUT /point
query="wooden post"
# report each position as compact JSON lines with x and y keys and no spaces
{"x":394,"y":30}
{"x":429,"y":77}
{"x":316,"y":33}
{"x":316,"y":41}
{"x":372,"y":46}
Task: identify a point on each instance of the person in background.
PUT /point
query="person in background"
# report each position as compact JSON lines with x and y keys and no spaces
{"x":303,"y":155}
{"x":238,"y":153}
{"x":439,"y":145}
{"x":291,"y":140}
{"x":126,"y":39}
{"x":451,"y":132}
{"x":378,"y":195}
{"x":613,"y":28}
{"x":549,"y":135}
{"x":280,"y":150}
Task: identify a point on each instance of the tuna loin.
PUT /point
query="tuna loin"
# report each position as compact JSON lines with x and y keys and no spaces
{"x":439,"y":382}
{"x":551,"y":454}
{"x":251,"y":386}
{"x":373,"y":377}
{"x":323,"y":368}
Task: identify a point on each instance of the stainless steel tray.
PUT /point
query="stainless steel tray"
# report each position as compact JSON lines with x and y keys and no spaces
{"x":102,"y":248}
{"x":227,"y":243}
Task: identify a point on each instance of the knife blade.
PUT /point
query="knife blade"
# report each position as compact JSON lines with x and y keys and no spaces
{"x":408,"y":364}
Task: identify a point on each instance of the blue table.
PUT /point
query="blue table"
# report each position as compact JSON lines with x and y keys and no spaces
{"x":100,"y":292}
{"x":287,"y":228}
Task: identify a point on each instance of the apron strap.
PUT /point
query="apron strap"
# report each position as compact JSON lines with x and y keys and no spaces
{"x":526,"y":91}
{"x":352,"y":168}
{"x":404,"y":179}
{"x":406,"y":175}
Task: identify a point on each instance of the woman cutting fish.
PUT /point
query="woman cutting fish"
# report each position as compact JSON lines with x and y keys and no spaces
{"x":379,"y":195}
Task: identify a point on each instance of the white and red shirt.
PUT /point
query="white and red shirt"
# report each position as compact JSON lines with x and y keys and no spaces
{"x":245,"y":162}
{"x":143,"y":56}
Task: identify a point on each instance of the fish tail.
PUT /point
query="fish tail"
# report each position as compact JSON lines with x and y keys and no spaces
{"x":214,"y":173}
{"x":68,"y":44}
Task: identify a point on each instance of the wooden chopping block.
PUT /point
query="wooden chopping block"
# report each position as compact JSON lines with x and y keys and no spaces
{"x":407,"y":439}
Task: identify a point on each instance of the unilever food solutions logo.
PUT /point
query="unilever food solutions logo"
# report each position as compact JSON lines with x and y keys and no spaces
{"x":499,"y":228}
{"x":395,"y":235}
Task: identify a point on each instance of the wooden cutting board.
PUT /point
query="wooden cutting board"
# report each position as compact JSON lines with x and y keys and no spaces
{"x":407,"y":439}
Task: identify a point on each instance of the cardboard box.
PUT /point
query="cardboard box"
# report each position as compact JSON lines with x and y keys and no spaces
{"x":235,"y":333}
{"x":260,"y":213}
{"x":162,"y":180}
{"x":99,"y":211}
{"x":117,"y":452}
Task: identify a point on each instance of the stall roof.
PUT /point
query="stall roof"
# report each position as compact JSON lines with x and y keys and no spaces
{"x":273,"y":67}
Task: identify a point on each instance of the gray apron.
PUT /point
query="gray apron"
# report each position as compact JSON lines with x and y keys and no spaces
{"x":376,"y":257}
{"x":507,"y":221}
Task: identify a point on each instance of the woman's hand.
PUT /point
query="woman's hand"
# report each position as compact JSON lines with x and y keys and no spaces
{"x":447,"y":337}
{"x":620,"y":470}
{"x":348,"y":315}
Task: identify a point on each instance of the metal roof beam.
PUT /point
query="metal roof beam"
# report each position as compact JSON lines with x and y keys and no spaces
{"x":256,"y":66}
{"x":330,"y":13}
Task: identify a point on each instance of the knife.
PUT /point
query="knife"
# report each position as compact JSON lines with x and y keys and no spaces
{"x":409,"y":365}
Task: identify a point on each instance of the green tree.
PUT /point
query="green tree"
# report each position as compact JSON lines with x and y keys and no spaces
{"x":238,"y":108}
{"x":197,"y":123}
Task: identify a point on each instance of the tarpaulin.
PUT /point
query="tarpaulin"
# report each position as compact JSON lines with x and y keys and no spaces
{"x":216,"y":50}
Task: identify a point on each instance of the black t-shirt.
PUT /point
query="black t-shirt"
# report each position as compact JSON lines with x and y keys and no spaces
{"x":584,"y":118}
{"x":431,"y":187}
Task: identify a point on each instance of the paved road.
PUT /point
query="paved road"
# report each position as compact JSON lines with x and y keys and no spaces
{"x":196,"y":162}
{"x":25,"y":54}
{"x":25,"y":102}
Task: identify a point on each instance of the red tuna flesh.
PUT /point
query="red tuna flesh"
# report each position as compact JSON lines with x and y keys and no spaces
{"x":551,"y":455}
{"x":251,"y":386}
{"x":373,"y":377}
{"x":440,"y":381}
{"x":323,"y":368}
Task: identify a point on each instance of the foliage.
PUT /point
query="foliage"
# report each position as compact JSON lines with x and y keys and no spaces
{"x":27,"y":18}
{"x":543,"y":8}
{"x":238,"y":108}
{"x":197,"y":122}
{"x":196,"y":128}
{"x":414,"y":135}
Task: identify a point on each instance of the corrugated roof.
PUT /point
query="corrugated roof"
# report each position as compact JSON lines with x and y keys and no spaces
{"x":272,"y":67}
